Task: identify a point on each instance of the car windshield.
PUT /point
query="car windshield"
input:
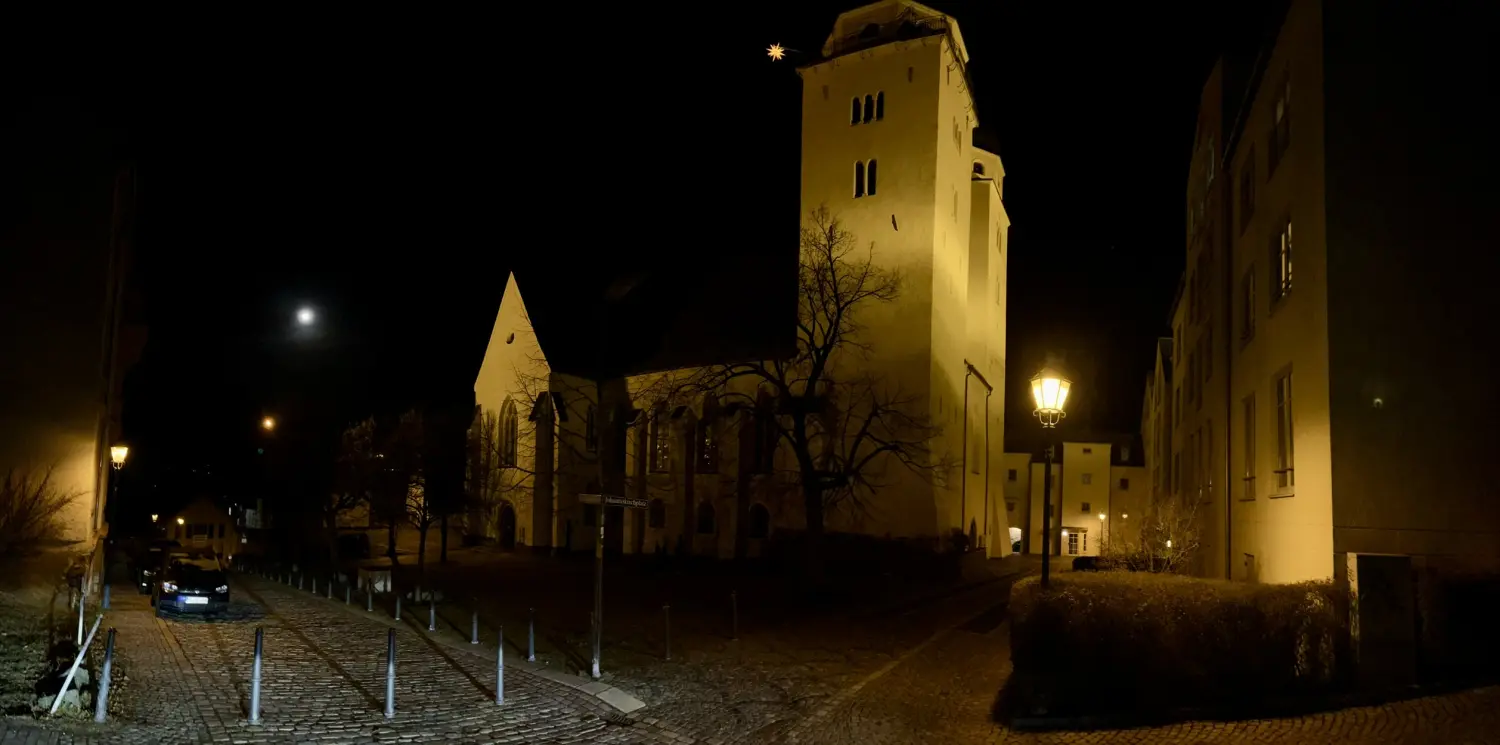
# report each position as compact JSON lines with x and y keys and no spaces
{"x":189,"y":570}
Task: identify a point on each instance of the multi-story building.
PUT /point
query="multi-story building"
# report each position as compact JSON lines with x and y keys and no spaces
{"x":1330,"y":356}
{"x":887,"y":148}
{"x":1096,"y":487}
{"x":66,"y":318}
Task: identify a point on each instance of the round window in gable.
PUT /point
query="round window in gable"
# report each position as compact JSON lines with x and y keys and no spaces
{"x":510,"y":339}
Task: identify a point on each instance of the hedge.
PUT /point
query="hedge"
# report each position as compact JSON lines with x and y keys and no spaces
{"x":1140,"y":644}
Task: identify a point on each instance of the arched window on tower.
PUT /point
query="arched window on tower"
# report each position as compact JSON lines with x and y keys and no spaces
{"x":870,"y":178}
{"x":509,"y":434}
{"x":854,"y":110}
{"x":879,"y":106}
{"x":859,"y":179}
{"x":978,"y":168}
{"x":869,"y":108}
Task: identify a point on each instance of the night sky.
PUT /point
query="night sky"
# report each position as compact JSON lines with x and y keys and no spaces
{"x":390,"y":174}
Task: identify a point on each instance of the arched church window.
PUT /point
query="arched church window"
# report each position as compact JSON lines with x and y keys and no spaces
{"x":869,"y":108}
{"x":870,"y":178}
{"x":879,"y":106}
{"x":859,"y":179}
{"x":854,"y":109}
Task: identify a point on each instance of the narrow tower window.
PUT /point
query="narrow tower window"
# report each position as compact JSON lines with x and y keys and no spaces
{"x":854,"y":111}
{"x":879,"y":106}
{"x":859,"y":179}
{"x":870,"y":178}
{"x":869,"y":108}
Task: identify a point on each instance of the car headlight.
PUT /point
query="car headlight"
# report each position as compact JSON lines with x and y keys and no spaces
{"x":222,"y":588}
{"x":169,"y":587}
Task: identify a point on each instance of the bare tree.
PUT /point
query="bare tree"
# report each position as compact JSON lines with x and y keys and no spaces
{"x":399,"y":470}
{"x":843,"y":423}
{"x":30,"y":505}
{"x":1170,"y":538}
{"x":355,"y":479}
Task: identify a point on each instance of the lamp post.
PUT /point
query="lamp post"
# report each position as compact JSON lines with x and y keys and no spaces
{"x":1099,"y":546}
{"x":1049,"y":391}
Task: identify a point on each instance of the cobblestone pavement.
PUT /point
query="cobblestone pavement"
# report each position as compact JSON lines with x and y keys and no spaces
{"x":187,"y":680}
{"x":943,"y":693}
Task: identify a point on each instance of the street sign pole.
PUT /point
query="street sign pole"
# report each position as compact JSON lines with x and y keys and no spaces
{"x":603,"y":501}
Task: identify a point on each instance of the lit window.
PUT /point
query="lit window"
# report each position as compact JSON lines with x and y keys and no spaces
{"x":708,"y":447}
{"x":1073,"y":540}
{"x":1281,"y":261}
{"x":660,"y":445}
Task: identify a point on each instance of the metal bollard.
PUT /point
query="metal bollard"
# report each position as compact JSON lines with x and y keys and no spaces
{"x":106,"y":597}
{"x":299,"y":581}
{"x":500,"y":668}
{"x":390,"y":674}
{"x":369,"y":596}
{"x":431,"y":615}
{"x":666,"y":614}
{"x":80,"y":619}
{"x":346,"y":594}
{"x":260,"y":648}
{"x":416,"y":594}
{"x":315,"y":586}
{"x":330,"y":589}
{"x":101,"y":702}
{"x":474,"y":624}
{"x":734,"y":610}
{"x":531,"y":637}
{"x":398,"y":606}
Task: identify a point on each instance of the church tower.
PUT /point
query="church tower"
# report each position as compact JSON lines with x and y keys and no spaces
{"x":887,"y":148}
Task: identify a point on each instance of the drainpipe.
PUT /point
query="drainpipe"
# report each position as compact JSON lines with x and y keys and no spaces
{"x":988,"y":390}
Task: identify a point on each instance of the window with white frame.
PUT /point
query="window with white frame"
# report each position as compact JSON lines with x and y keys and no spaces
{"x":1285,"y":466}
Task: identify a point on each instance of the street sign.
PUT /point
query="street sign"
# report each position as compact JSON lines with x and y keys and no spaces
{"x":610,"y":500}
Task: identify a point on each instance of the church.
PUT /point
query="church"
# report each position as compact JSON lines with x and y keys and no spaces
{"x":716,"y":468}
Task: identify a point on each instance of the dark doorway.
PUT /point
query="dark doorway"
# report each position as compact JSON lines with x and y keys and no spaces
{"x":507,"y":526}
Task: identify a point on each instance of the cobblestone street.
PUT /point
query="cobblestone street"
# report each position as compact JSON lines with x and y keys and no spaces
{"x":187,"y":680}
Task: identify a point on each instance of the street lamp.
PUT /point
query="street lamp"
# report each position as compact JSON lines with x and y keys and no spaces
{"x":154,"y":516}
{"x":1099,"y":545}
{"x":181,"y":521}
{"x":306,"y":316}
{"x":117,"y":455}
{"x":268,"y":423}
{"x":1049,"y":391}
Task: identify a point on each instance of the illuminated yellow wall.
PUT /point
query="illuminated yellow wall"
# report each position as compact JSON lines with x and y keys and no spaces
{"x":515,"y":369}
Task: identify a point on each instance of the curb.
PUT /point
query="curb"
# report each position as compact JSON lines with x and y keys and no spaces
{"x":607,"y":694}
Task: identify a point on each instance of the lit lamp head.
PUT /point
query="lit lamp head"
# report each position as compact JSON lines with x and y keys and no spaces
{"x":154,"y":516}
{"x":117,"y":455}
{"x":1101,"y":517}
{"x":268,"y":423}
{"x":1049,"y":391}
{"x":181,"y":521}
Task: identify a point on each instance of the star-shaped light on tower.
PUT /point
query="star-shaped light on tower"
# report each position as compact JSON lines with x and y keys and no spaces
{"x":775,"y":51}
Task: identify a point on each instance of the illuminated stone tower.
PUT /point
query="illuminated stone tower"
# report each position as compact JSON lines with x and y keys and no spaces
{"x":887,"y":122}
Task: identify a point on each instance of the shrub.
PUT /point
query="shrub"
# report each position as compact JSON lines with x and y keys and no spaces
{"x":30,"y":506}
{"x":1140,"y":644}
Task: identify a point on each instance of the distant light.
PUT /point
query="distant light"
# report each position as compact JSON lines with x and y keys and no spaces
{"x":306,"y":316}
{"x":181,"y":521}
{"x":1101,"y":516}
{"x":117,"y":454}
{"x":1379,"y":402}
{"x":775,"y":51}
{"x":1065,"y":534}
{"x":1169,"y":543}
{"x":268,"y":423}
{"x":154,"y":516}
{"x":1124,"y":515}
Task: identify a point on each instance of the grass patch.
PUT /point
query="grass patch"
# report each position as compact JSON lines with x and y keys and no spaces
{"x":23,"y":652}
{"x":1141,"y":645}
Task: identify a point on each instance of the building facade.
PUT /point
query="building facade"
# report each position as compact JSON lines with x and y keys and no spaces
{"x":66,"y":320}
{"x":1334,"y":244}
{"x":887,"y":133}
{"x":1096,"y":487}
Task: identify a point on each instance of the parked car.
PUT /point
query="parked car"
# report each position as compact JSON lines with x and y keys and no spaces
{"x":152,"y":561}
{"x":193,"y":582}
